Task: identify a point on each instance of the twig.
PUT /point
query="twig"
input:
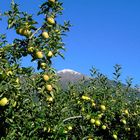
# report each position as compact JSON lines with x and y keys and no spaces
{"x":35,"y":32}
{"x":70,"y":118}
{"x":85,"y":137}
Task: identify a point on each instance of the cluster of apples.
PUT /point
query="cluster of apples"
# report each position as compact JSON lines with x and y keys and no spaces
{"x":40,"y":55}
{"x":96,"y":120}
{"x":48,"y":87}
{"x":102,"y":108}
{"x":24,"y":31}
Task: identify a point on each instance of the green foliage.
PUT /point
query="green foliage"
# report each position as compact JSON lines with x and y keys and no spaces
{"x":34,"y":107}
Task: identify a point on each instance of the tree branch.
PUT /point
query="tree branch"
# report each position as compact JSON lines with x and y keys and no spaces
{"x":70,"y":118}
{"x":35,"y":32}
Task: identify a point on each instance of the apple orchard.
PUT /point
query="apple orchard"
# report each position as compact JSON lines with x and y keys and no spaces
{"x":32,"y":103}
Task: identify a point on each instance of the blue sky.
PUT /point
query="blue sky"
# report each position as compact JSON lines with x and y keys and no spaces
{"x":104,"y":33}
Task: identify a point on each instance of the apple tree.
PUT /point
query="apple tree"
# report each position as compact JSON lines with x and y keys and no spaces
{"x":26,"y":96}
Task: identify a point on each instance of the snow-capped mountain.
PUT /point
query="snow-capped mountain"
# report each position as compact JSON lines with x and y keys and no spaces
{"x":68,"y":71}
{"x":69,"y":76}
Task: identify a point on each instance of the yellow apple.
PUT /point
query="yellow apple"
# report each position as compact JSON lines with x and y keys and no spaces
{"x":127,"y":129}
{"x":93,"y":104}
{"x":85,"y":97}
{"x":126,"y":112}
{"x":65,"y":131}
{"x":50,"y":99}
{"x":115,"y":136}
{"x":50,"y":20}
{"x":92,"y":121}
{"x":102,"y":107}
{"x":3,"y":101}
{"x":45,"y":35}
{"x":23,"y":31}
{"x":83,"y":109}
{"x":43,"y":66}
{"x":26,"y":32}
{"x":50,"y":54}
{"x":30,"y":49}
{"x":39,"y":55}
{"x":58,"y":32}
{"x":19,"y":31}
{"x":69,"y":127}
{"x":123,"y":121}
{"x":97,"y":123}
{"x":46,"y":77}
{"x":49,"y":87}
{"x":103,"y":127}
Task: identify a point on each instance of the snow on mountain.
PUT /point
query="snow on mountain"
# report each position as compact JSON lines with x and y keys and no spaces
{"x":69,"y":76}
{"x":68,"y":71}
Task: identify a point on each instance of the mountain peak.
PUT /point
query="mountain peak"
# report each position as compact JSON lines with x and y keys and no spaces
{"x":67,"y":76}
{"x":68,"y":71}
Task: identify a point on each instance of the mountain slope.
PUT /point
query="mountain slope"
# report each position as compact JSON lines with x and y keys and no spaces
{"x":69,"y":76}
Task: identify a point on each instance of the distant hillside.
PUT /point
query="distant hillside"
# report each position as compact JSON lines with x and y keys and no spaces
{"x":70,"y":76}
{"x":67,"y":76}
